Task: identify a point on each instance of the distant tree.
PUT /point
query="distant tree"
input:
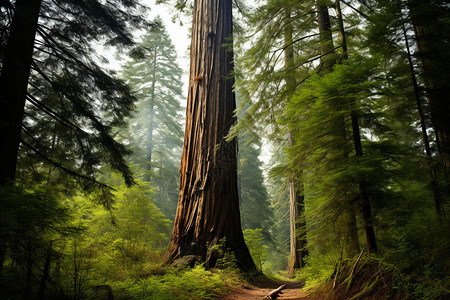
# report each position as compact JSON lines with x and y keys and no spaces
{"x":298,"y":251}
{"x":155,"y":133}
{"x":255,"y":203}
{"x":277,"y":28}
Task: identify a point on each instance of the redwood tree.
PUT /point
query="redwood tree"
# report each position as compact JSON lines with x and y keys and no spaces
{"x":208,"y":205}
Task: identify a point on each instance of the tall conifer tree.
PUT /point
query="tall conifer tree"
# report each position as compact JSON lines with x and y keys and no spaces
{"x":208,"y":205}
{"x":155,"y":132}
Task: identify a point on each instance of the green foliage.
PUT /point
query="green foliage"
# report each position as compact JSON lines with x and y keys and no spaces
{"x":195,"y":283}
{"x":255,"y":243}
{"x":93,"y":252}
{"x":260,"y":69}
{"x":131,"y":236}
{"x":85,"y":245}
{"x":226,"y":259}
{"x":30,"y":223}
{"x":374,"y":87}
{"x":278,"y":256}
{"x":73,"y":104}
{"x":255,"y":206}
{"x":319,"y":115}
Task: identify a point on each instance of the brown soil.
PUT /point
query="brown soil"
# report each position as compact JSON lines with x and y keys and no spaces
{"x":260,"y":290}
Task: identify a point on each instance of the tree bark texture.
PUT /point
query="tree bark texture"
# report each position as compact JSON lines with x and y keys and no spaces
{"x":342,"y":36}
{"x":297,"y":222}
{"x":16,"y":67}
{"x":208,"y":204}
{"x":326,"y":38}
{"x":349,"y":233}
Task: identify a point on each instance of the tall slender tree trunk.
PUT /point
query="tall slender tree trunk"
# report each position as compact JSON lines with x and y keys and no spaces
{"x":348,"y":217}
{"x":363,"y":191}
{"x":152,"y":111}
{"x":326,"y":39}
{"x":208,"y":204}
{"x":433,"y":172}
{"x":297,"y":225}
{"x":14,"y":76}
{"x":363,"y":188}
{"x":297,"y":220}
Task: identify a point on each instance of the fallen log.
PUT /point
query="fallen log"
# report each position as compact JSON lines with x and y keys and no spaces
{"x":274,"y":294}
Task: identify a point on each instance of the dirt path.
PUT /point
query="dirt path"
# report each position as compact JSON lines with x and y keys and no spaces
{"x":292,"y":291}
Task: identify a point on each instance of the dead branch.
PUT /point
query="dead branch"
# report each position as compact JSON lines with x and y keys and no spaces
{"x":274,"y":294}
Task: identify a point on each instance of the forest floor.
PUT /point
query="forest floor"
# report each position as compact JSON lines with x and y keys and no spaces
{"x":260,"y":290}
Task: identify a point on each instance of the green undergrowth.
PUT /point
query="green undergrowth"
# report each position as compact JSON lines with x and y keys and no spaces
{"x":175,"y":283}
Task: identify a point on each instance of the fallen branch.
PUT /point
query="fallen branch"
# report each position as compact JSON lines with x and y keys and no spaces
{"x":274,"y":294}
{"x":356,"y":264}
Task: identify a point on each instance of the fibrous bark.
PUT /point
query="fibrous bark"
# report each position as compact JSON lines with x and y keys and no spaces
{"x":208,"y":204}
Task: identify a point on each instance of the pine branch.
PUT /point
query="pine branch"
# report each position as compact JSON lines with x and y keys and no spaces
{"x":53,"y":114}
{"x":295,"y":41}
{"x":317,"y":57}
{"x":355,"y":9}
{"x":58,"y":165}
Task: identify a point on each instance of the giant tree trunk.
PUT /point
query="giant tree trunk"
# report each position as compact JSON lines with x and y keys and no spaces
{"x":208,"y":204}
{"x":13,"y":83}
